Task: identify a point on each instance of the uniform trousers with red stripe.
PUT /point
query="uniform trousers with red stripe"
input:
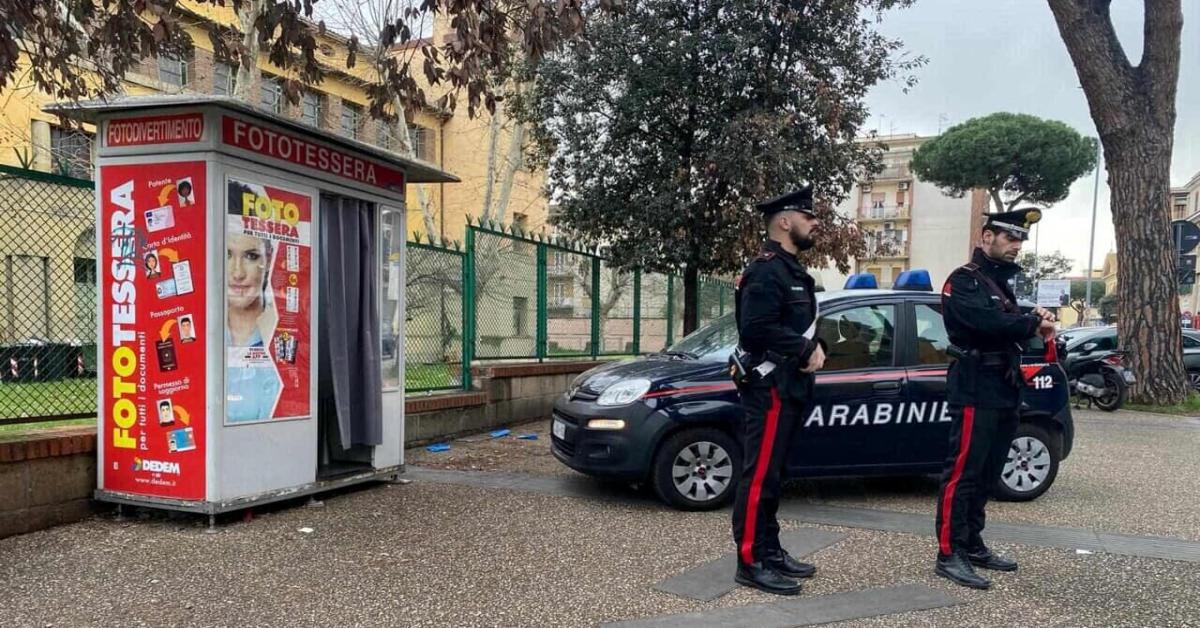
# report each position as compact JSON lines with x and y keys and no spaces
{"x":979,"y":442}
{"x":767,"y":427}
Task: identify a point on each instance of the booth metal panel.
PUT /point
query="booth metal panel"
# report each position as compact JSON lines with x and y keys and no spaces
{"x":258,"y":458}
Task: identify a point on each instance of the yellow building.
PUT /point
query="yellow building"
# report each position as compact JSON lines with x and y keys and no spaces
{"x":477,"y":150}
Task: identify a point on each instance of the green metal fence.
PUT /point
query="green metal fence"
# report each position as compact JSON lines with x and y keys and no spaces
{"x":527,"y":296}
{"x":502,"y":294}
{"x":48,"y":305}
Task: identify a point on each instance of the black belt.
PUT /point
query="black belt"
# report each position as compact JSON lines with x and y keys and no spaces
{"x":981,"y":358}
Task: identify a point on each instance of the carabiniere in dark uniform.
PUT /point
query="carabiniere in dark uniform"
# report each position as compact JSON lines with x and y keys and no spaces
{"x":987,"y":331}
{"x":776,"y":309}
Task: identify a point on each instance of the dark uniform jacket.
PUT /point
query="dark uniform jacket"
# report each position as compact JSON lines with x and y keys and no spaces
{"x":990,"y":328}
{"x":775,"y":305}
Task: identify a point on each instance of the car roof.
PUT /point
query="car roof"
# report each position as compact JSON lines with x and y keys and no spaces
{"x":839,"y":295}
{"x":835,"y":296}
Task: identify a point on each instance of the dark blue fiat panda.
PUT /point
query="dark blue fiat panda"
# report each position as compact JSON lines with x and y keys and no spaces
{"x":670,"y":419}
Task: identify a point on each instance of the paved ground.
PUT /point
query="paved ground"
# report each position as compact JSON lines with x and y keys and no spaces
{"x":427,"y":554}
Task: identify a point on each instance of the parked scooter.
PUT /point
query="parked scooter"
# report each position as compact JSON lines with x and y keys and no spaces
{"x":1098,"y":377}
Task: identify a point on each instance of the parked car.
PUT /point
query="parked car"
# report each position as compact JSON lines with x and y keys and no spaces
{"x":1106,"y":340}
{"x":670,"y":419}
{"x":1191,"y":357}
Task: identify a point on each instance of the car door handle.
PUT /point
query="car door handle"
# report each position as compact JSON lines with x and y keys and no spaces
{"x":894,"y":385}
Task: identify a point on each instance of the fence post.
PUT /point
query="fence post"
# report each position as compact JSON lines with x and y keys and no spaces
{"x":721,"y":299}
{"x":595,"y":307}
{"x":542,"y":297}
{"x":670,"y":310}
{"x":637,"y":312}
{"x":468,"y":308}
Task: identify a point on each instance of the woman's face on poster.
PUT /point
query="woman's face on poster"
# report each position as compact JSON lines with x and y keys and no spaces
{"x":245,"y":267}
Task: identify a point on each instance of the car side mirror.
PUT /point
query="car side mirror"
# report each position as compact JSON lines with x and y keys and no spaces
{"x":1089,"y":347}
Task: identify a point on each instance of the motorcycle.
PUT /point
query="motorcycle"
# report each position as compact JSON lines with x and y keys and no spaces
{"x":1101,"y":378}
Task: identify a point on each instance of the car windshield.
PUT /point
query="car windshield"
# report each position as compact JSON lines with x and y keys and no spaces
{"x":711,"y":343}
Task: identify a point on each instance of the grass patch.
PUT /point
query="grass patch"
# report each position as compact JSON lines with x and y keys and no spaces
{"x":1190,"y":407}
{"x":65,"y":396}
{"x":431,"y":376}
{"x":12,"y":432}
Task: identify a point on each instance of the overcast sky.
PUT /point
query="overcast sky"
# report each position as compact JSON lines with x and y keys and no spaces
{"x":1007,"y":55}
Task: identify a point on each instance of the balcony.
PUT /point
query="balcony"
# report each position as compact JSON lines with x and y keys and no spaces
{"x":883,"y":212}
{"x":894,"y":173}
{"x":885,"y":248}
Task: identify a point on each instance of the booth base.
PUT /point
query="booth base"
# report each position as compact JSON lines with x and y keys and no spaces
{"x":216,"y":508}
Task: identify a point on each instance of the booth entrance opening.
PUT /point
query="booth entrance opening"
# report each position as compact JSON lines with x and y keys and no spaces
{"x":251,"y":303}
{"x":349,"y":383}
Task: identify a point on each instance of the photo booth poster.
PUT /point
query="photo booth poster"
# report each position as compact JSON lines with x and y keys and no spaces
{"x":153,"y":316}
{"x":268,"y":283}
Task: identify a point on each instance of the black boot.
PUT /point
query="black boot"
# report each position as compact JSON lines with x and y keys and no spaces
{"x":957,"y":568}
{"x":983,"y":557}
{"x":783,"y":562}
{"x":764,"y":578}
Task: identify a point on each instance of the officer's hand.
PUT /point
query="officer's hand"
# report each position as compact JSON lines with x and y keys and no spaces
{"x":1046,"y":328}
{"x":816,"y":361}
{"x":1046,"y":315}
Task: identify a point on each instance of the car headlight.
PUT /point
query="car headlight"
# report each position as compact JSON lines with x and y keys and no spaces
{"x":624,"y":392}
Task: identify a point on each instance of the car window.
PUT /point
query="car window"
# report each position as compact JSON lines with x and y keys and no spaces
{"x":932,"y":339}
{"x":860,"y":337}
{"x":1079,"y":340}
{"x":1104,"y":342}
{"x":712,"y":342}
{"x":1190,"y":342}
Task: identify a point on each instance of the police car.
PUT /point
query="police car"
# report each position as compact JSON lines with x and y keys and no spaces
{"x":671,"y":419}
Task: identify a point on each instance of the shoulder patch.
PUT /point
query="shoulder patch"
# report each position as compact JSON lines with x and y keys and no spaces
{"x":765,"y":256}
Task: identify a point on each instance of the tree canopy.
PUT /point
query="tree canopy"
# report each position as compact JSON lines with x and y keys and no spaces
{"x":661,"y":131}
{"x":1015,"y":157}
{"x":83,"y":48}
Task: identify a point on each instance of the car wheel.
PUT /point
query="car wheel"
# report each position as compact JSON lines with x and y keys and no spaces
{"x":1194,"y":380}
{"x":697,"y":469}
{"x":1031,"y":466}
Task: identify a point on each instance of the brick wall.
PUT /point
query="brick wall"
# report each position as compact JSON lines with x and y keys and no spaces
{"x":200,"y":72}
{"x":46,"y":480}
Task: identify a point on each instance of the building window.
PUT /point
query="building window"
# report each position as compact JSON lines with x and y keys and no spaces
{"x":173,"y":71}
{"x":387,"y":136}
{"x":877,"y":200}
{"x":71,"y":152}
{"x":421,"y":140}
{"x":224,"y":79}
{"x":310,"y":108}
{"x":520,"y":316}
{"x":271,"y":95}
{"x":351,"y":120}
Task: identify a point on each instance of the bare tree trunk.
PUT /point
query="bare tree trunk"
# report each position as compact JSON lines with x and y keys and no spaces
{"x":493,"y":135}
{"x":513,"y":162}
{"x":1134,"y":110}
{"x":405,"y":149}
{"x":1147,"y":309}
{"x":691,"y":299}
{"x":248,"y":75}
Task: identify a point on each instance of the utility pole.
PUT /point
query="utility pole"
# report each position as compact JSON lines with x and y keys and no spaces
{"x":1087,"y":302}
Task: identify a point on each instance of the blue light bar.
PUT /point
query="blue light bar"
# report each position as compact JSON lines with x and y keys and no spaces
{"x":861,"y":281}
{"x":915,"y":279}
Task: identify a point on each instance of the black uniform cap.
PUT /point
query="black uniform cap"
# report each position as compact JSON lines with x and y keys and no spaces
{"x":1016,"y":223}
{"x":799,"y":201}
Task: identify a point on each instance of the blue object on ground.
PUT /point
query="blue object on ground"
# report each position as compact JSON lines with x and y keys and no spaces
{"x":438,"y":447}
{"x":528,"y":437}
{"x":499,"y":433}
